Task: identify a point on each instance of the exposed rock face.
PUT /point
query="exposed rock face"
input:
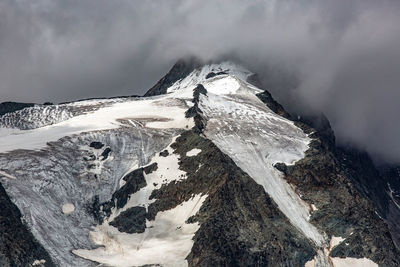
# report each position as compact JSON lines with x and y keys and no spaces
{"x":240,"y":224}
{"x":347,"y":190}
{"x":8,"y":107}
{"x":180,"y":70}
{"x":131,"y":221}
{"x":18,"y":247}
{"x":134,"y":181}
{"x":391,"y":177}
{"x":266,"y":97}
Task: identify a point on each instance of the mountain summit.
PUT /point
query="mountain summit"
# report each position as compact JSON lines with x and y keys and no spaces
{"x":206,"y":169}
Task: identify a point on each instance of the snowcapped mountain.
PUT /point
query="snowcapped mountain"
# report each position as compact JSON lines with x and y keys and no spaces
{"x":206,"y":169}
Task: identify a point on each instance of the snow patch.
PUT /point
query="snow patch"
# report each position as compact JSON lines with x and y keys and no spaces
{"x":68,"y":208}
{"x":353,"y":262}
{"x":38,"y":262}
{"x":193,"y":152}
{"x":335,"y":240}
{"x":226,"y":85}
{"x":313,"y":208}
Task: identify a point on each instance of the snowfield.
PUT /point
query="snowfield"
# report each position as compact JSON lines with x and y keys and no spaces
{"x":150,"y":113}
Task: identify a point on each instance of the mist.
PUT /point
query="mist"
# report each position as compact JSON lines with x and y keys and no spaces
{"x":338,"y":57}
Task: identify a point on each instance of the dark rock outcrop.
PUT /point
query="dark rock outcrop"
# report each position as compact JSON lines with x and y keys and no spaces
{"x":266,"y":97}
{"x":133,"y":220}
{"x":96,"y":145}
{"x":134,"y":181}
{"x":8,"y":107}
{"x":18,"y":247}
{"x":164,"y":153}
{"x":105,"y":153}
{"x":195,"y":112}
{"x":213,"y":74}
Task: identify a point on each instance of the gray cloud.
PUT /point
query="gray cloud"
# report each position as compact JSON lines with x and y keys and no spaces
{"x":344,"y":54}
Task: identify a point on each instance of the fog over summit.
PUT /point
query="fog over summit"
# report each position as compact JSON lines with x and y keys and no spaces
{"x":338,"y":57}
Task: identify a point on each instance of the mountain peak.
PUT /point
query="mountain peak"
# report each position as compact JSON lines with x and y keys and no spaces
{"x":192,"y":70}
{"x":204,"y":171}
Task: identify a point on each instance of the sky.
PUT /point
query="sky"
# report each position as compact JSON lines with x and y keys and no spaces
{"x":339,"y":57}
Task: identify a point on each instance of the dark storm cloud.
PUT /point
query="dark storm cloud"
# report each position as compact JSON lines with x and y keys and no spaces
{"x":344,"y":54}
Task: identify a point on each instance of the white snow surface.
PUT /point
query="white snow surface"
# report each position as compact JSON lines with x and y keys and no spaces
{"x":68,"y":208}
{"x":353,"y":262}
{"x":43,"y":115}
{"x":336,"y":261}
{"x":38,"y":262}
{"x":193,"y":152}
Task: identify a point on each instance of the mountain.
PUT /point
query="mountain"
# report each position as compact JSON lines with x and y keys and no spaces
{"x":206,"y":169}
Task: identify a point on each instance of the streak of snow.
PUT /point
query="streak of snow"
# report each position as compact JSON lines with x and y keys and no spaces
{"x":335,"y":240}
{"x":390,"y":193}
{"x":193,"y":152}
{"x":7,"y":175}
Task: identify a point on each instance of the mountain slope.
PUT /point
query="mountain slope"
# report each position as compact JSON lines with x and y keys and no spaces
{"x":207,"y":170}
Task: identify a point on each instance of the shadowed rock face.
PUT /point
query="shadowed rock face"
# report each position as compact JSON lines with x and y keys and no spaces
{"x":240,"y":224}
{"x":18,"y":247}
{"x":342,"y":209}
{"x":347,"y":191}
{"x":8,"y":107}
{"x":391,"y":177}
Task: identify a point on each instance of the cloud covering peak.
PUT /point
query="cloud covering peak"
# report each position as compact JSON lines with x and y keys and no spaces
{"x":340,"y":57}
